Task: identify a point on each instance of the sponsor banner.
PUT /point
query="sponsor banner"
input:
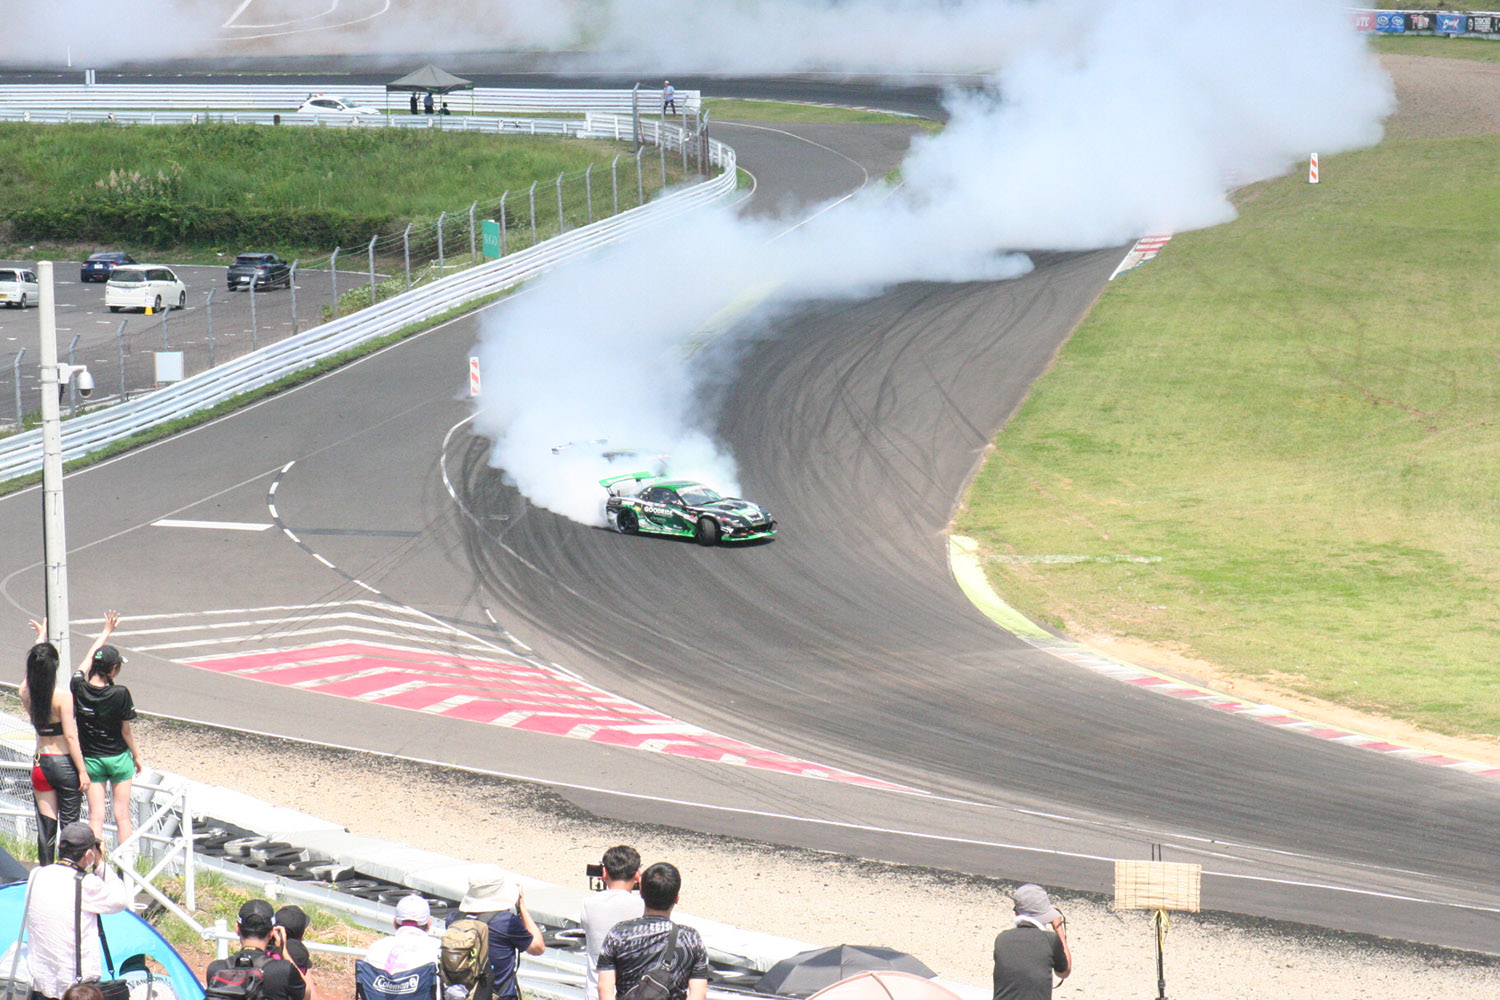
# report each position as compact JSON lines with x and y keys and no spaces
{"x":1390,"y":22}
{"x":1484,"y":24}
{"x":1451,"y":24}
{"x":1420,"y":20}
{"x":1363,"y":20}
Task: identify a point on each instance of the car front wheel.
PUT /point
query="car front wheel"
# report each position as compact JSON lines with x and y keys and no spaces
{"x":625,"y":522}
{"x":182,"y":300}
{"x":707,"y":532}
{"x":157,"y":306}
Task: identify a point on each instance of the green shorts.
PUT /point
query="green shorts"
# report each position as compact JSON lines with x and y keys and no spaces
{"x":120,"y":767}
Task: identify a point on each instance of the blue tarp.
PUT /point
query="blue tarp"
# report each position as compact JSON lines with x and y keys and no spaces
{"x":128,"y":936}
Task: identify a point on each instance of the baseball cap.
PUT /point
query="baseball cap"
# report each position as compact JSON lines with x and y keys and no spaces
{"x":78,"y":835}
{"x":108,"y":657}
{"x":256,"y":918}
{"x":412,"y":909}
{"x":1032,"y":901}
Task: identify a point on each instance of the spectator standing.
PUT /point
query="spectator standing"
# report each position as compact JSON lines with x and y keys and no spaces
{"x":413,"y":102}
{"x":495,"y":899}
{"x":427,"y":103}
{"x":668,"y":97}
{"x":279,"y":978}
{"x":63,"y":904}
{"x":59,"y":777}
{"x":1027,"y":954}
{"x":412,"y":945}
{"x":104,"y":710}
{"x":602,"y":910}
{"x":652,"y":944}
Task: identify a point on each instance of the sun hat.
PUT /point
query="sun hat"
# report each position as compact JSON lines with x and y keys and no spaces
{"x":490,"y":890}
{"x":1032,"y":901}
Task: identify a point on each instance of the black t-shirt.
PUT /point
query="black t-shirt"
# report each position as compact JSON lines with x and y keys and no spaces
{"x":296,"y":953}
{"x":100,"y":712}
{"x":280,"y":980}
{"x":1025,"y":959}
{"x":632,"y":947}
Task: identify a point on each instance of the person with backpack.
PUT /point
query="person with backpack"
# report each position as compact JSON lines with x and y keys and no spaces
{"x":485,"y":936}
{"x":251,"y":973}
{"x":651,"y":957}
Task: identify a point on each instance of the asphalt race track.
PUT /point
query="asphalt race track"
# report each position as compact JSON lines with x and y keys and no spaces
{"x":844,"y":642}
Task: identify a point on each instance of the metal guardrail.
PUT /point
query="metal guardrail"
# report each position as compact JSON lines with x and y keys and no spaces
{"x":285,"y":97}
{"x":21,"y":454}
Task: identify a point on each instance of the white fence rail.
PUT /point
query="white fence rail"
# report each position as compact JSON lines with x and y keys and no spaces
{"x":287,"y":97}
{"x":21,"y":454}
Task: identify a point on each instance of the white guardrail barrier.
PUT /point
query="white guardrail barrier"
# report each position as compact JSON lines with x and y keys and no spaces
{"x":21,"y":454}
{"x":287,"y":97}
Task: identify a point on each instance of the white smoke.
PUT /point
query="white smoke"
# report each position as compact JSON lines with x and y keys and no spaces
{"x":1135,"y":119}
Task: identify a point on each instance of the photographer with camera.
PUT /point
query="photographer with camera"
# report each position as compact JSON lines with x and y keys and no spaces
{"x":621,"y":872}
{"x":1029,"y":953}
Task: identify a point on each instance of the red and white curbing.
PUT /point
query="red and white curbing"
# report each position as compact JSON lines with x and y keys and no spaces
{"x":1144,"y":249}
{"x":968,"y":572}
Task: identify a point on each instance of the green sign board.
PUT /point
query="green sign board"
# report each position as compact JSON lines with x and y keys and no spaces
{"x":490,"y":232}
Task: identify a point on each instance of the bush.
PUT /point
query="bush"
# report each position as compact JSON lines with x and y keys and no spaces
{"x":162,"y":224}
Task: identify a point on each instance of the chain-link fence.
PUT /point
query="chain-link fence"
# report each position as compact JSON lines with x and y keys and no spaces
{"x":145,"y":352}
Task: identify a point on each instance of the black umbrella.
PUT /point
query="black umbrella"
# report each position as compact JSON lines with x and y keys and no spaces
{"x":808,"y":972}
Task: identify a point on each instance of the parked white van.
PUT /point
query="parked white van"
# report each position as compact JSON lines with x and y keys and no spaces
{"x":18,"y":287}
{"x":137,"y":286}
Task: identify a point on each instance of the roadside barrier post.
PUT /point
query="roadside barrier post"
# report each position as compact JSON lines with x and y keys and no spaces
{"x":635,"y":118}
{"x":442,"y":217}
{"x":165,"y":345}
{"x":15,"y":376}
{"x":72,"y":384}
{"x":640,"y":184}
{"x":661,"y":148}
{"x":291,"y":286}
{"x":120,"y":344}
{"x":473,"y":247}
{"x":684,"y":135}
{"x":502,"y":222}
{"x":588,"y":191}
{"x":333,"y":277}
{"x":254,"y":326}
{"x":372,"y":265}
{"x":406,"y":253}
{"x":614,"y":182}
{"x":208,"y":310}
{"x":562,"y":225}
{"x":532,"y":196}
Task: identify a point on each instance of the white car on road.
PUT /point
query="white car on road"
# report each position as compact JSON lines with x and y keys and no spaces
{"x":18,"y":287}
{"x":328,"y":104}
{"x":143,"y":286}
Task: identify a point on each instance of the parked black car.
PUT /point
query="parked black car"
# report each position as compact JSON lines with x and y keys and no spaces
{"x":266,"y":270}
{"x":101,"y":265}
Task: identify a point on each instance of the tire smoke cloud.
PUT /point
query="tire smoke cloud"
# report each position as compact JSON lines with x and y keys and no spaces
{"x":1136,"y":119}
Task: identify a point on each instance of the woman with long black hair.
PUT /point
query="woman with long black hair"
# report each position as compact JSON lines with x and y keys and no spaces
{"x":58,"y":776}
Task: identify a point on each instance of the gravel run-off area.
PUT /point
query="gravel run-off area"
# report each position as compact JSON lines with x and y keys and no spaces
{"x":949,"y":920}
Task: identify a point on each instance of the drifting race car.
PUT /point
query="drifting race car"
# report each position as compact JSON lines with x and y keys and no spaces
{"x":646,"y":503}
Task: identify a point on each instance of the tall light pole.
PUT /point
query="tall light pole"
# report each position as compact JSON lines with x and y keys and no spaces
{"x":55,"y":378}
{"x":54,"y":538}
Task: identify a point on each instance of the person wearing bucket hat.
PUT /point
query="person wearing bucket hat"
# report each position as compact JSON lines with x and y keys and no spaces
{"x":1028,"y":953}
{"x":495,"y":899}
{"x":104,"y":709}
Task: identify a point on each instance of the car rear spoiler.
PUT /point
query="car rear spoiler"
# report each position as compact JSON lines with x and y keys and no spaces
{"x":637,"y":476}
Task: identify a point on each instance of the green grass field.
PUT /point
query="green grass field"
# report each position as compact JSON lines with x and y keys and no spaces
{"x":1298,"y":415}
{"x":1430,"y":45}
{"x":372,"y":173}
{"x":735,"y":110}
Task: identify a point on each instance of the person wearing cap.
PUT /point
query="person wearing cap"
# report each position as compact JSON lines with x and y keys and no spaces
{"x":1029,"y":953}
{"x":496,"y":899}
{"x":259,"y":935}
{"x":412,"y":946}
{"x":104,"y":709}
{"x":79,"y":877}
{"x":668,"y":97}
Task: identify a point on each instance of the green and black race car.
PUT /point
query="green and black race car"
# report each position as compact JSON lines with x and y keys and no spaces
{"x":645,"y":503}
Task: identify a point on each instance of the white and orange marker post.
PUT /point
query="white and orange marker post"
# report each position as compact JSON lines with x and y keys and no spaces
{"x":473,"y":376}
{"x":1312,"y":169}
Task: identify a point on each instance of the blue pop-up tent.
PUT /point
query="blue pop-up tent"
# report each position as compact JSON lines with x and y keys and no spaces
{"x":129,"y":936}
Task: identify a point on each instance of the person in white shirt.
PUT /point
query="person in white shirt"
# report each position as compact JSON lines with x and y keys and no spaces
{"x":619,"y":901}
{"x":80,"y":879}
{"x":412,"y":946}
{"x":668,"y":97}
